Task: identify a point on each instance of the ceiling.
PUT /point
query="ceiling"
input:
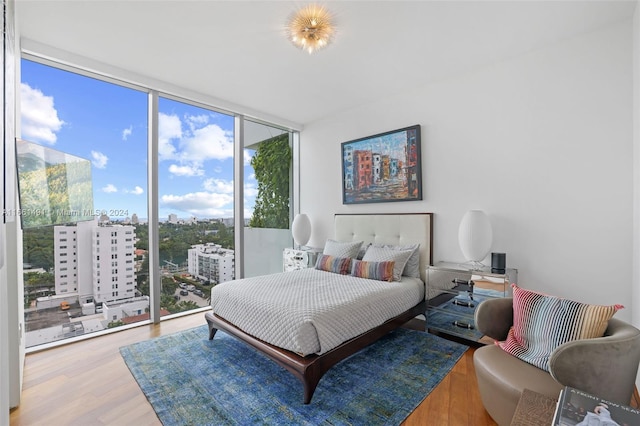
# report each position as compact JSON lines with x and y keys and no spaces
{"x":237,"y":52}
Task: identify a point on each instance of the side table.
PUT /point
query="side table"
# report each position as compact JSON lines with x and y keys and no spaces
{"x":294,"y":259}
{"x":454,"y":292}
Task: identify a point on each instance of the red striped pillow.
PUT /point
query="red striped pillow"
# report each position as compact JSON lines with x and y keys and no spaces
{"x":541,"y":323}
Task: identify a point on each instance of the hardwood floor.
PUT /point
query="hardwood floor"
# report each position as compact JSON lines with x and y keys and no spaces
{"x":455,"y":401}
{"x":87,"y":383}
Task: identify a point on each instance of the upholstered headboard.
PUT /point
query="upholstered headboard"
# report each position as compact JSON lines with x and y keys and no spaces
{"x":392,"y":228}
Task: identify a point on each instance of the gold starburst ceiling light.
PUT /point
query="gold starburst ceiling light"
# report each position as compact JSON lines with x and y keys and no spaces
{"x":311,"y":28}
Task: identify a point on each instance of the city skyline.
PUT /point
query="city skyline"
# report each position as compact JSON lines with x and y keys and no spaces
{"x":107,"y":124}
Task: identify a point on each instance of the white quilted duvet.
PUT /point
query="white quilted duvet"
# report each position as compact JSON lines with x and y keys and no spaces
{"x":311,"y":311}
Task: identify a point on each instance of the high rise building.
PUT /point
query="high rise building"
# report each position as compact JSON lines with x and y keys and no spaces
{"x":95,"y":261}
{"x":113,"y":253}
{"x":65,"y":257}
{"x":210,"y":262}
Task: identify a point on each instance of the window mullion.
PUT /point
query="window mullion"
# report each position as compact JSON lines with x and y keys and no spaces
{"x":152,"y":213}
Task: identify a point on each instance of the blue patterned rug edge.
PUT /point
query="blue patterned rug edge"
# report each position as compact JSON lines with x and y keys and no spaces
{"x":393,"y":387}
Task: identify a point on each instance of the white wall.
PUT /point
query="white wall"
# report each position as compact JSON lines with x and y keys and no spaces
{"x":541,"y":142}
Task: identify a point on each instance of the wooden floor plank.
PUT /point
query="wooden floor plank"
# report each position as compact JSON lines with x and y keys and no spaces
{"x":88,"y":383}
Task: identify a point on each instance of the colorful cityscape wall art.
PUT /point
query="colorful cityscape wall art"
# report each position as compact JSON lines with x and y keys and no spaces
{"x":382,"y":168}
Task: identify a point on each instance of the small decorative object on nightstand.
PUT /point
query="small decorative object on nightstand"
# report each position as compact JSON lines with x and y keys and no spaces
{"x":454,"y":292}
{"x":475,"y":236}
{"x":293,"y":259}
{"x":301,"y":229}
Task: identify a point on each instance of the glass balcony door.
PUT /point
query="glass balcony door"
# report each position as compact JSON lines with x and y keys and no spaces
{"x":268,"y":182}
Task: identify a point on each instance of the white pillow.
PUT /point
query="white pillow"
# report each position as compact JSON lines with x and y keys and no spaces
{"x":384,"y":254}
{"x":362,"y":251}
{"x":412,"y":268}
{"x":342,"y":249}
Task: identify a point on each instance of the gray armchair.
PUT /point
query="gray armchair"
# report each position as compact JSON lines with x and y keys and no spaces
{"x":605,"y":366}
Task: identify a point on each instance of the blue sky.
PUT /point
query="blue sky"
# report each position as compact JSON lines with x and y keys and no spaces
{"x":107,"y":124}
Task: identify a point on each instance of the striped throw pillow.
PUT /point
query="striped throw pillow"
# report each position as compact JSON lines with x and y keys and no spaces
{"x":541,"y":323}
{"x":381,"y":271}
{"x":384,"y":254}
{"x":337,"y":265}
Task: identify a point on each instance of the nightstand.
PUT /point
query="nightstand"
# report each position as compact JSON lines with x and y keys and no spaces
{"x":294,"y":259}
{"x":454,"y":292}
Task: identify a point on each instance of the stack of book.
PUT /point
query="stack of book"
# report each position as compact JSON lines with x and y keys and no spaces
{"x":578,"y":408}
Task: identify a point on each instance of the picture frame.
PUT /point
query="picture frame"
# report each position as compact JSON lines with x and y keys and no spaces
{"x":385,"y":167}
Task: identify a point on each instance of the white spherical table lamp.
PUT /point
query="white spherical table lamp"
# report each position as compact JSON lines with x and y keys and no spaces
{"x":475,"y":237}
{"x":301,"y":229}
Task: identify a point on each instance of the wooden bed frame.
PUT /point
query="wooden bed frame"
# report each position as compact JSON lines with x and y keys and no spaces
{"x":401,"y":229}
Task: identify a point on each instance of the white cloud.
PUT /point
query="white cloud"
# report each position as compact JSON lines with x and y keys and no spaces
{"x":191,"y":170}
{"x":127,"y":132}
{"x":192,"y":147}
{"x":99,"y":159}
{"x":250,"y":190}
{"x":207,"y":143}
{"x":248,"y":155}
{"x":196,"y":121}
{"x":248,"y":212}
{"x":135,"y":191}
{"x":220,"y":186}
{"x":200,"y":204}
{"x":169,"y":127}
{"x":109,"y":188}
{"x":39,"y":116}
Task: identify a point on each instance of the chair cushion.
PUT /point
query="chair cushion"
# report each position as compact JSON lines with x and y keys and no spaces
{"x":541,"y":323}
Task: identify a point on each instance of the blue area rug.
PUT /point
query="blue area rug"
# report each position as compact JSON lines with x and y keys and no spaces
{"x":190,"y":380}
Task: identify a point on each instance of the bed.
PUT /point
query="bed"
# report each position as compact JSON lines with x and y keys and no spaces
{"x":306,"y":338}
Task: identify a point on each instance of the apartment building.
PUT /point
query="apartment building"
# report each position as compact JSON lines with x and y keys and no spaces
{"x":211,"y":262}
{"x":113,"y":250}
{"x":95,"y":262}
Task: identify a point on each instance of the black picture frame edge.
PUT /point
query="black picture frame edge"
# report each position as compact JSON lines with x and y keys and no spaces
{"x":419,"y":197}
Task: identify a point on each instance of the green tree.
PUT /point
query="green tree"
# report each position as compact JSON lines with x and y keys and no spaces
{"x":60,"y":190}
{"x":271,"y":164}
{"x":169,"y":286}
{"x":114,"y":324}
{"x":37,"y":247}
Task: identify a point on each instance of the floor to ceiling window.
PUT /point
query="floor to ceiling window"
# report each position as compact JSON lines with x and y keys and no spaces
{"x":85,"y":175}
{"x":195,"y":203}
{"x":80,"y":258}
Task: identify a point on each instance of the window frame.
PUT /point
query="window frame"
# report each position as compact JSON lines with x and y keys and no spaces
{"x":154,"y":90}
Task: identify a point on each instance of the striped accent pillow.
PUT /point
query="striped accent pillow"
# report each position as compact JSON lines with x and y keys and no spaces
{"x":412,"y":268}
{"x":384,"y":254}
{"x":338,"y":265}
{"x":541,"y":323}
{"x":381,"y":271}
